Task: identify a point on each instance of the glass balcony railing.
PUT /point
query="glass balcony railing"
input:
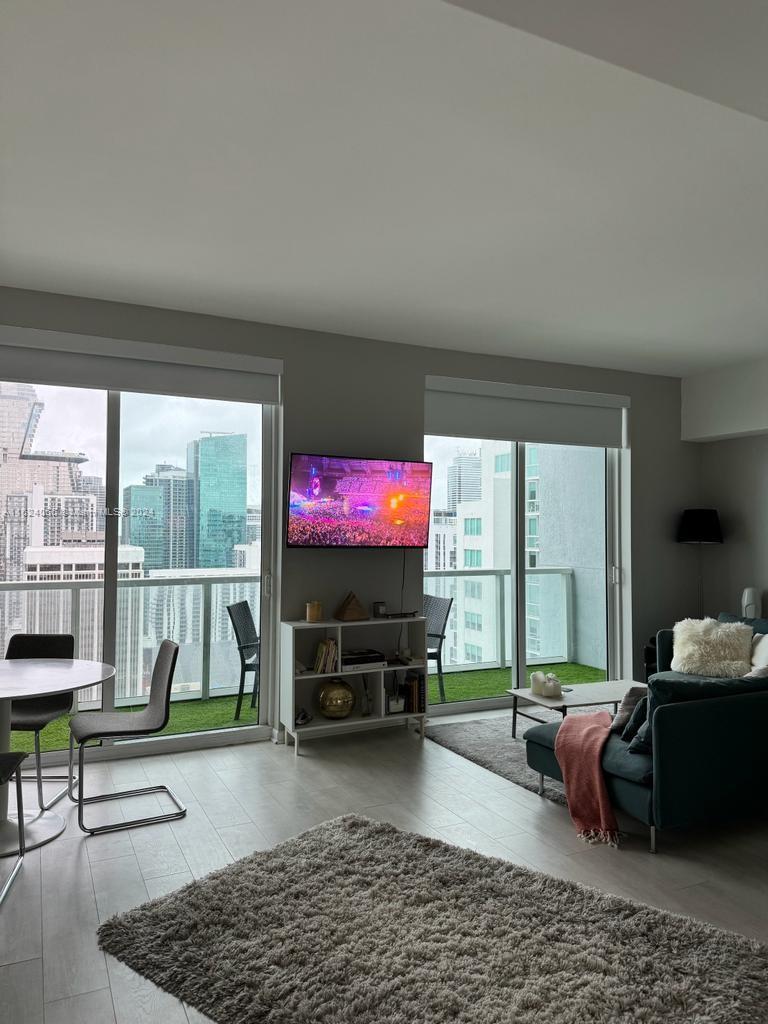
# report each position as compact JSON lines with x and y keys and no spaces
{"x":479,"y":648}
{"x":482,"y":615}
{"x":189,"y":609}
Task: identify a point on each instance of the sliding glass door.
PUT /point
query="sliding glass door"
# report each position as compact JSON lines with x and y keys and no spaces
{"x":566,"y":579}
{"x":190,"y":545}
{"x":53,"y":445}
{"x":470,"y":559}
{"x":517,"y":526}
{"x":126,"y":518}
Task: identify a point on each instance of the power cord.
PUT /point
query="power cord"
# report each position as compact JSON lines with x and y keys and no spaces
{"x":402,"y":598}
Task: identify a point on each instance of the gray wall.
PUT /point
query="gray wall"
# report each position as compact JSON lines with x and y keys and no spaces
{"x":734,"y":479}
{"x":363,"y":397}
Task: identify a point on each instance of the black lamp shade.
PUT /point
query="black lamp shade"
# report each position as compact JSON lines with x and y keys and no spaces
{"x":699,"y":526}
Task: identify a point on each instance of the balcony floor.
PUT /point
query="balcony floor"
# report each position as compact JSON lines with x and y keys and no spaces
{"x":219,"y":712}
{"x":494,"y":682}
{"x":186,"y":716}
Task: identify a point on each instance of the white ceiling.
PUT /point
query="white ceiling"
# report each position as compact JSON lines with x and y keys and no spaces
{"x":398,"y":169}
{"x":711,"y":48}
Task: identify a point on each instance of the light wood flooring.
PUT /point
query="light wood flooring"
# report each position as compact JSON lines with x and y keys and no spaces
{"x":250,"y":797}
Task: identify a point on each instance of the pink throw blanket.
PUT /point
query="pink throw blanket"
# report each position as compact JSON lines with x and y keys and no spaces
{"x":579,"y":749}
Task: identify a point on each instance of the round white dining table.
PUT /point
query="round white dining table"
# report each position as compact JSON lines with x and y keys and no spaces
{"x":38,"y":677}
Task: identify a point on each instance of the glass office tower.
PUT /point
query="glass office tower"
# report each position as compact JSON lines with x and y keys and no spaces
{"x":217,"y":465}
{"x":144,"y":523}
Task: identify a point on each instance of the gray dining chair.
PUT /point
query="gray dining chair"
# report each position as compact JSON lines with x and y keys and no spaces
{"x":95,"y":725}
{"x":32,"y":714}
{"x":249,"y":649}
{"x":436,"y":612}
{"x":10,"y":765}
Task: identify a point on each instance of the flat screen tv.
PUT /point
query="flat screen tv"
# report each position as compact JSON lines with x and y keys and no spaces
{"x":338,"y":502}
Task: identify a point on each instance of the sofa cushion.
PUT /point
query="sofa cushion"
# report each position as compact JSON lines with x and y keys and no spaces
{"x":638,"y":716}
{"x":629,"y":702}
{"x":641,"y":743}
{"x":620,"y":761}
{"x":758,"y":625}
{"x":617,"y":759}
{"x":543,"y":734}
{"x":710,"y":648}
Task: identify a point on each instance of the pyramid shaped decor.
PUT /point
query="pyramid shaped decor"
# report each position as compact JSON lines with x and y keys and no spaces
{"x":350,"y":609}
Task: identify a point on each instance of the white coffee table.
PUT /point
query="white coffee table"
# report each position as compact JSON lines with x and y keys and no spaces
{"x":580,"y":695}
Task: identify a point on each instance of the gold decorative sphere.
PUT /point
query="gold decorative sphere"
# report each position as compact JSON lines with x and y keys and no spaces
{"x":336,"y":699}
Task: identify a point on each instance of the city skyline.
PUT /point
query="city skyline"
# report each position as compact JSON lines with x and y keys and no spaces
{"x":472,"y":531}
{"x":52,"y":451}
{"x":153,"y":429}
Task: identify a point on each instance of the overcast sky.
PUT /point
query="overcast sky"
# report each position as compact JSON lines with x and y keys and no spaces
{"x":153,"y":429}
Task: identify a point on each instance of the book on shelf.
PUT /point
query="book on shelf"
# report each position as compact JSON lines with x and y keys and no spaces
{"x":319,"y":655}
{"x":407,"y":696}
{"x":325,"y":658}
{"x":363,"y":659}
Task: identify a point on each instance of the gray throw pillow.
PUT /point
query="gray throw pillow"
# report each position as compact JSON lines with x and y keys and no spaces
{"x":628,"y":704}
{"x":639,"y":715}
{"x":641,"y":744}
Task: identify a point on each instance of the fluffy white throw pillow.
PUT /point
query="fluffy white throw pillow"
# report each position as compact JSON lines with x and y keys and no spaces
{"x":705,"y":647}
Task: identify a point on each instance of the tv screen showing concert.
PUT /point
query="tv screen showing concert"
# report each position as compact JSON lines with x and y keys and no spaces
{"x":336,"y":502}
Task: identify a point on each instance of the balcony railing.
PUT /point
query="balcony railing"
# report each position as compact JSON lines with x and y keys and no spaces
{"x":488,"y":592}
{"x":190,"y":609}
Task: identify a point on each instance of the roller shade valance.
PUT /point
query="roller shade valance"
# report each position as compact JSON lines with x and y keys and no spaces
{"x":515,"y":412}
{"x":78,"y":360}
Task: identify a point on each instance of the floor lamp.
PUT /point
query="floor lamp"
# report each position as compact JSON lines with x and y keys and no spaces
{"x":700,"y":526}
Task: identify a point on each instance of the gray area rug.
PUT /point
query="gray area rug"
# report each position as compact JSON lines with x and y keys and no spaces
{"x":356,"y":921}
{"x":488,"y":742}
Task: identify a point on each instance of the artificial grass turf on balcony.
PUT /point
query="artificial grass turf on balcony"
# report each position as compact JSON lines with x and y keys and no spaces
{"x":494,"y":682}
{"x":219,"y":712}
{"x":186,"y":716}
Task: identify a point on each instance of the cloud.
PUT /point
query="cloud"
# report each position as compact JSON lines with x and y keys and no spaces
{"x":153,"y":428}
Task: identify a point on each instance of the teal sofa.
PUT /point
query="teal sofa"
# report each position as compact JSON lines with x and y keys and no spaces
{"x":708,"y":737}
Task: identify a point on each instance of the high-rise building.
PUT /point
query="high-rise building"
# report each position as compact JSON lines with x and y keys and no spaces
{"x":252,"y":524}
{"x":95,"y":486}
{"x":158,"y":516}
{"x":179,"y":523}
{"x":144,"y":523}
{"x":440,"y":554}
{"x":464,"y":479}
{"x":248,"y":556}
{"x":48,"y":610}
{"x":216,"y":464}
{"x":22,"y":469}
{"x":564,"y":515}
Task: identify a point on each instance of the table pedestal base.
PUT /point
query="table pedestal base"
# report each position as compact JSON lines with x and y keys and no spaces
{"x":40,"y":827}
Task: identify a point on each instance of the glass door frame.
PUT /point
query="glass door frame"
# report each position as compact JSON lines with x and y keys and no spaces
{"x":617,"y":602}
{"x":511,"y":656}
{"x":618,"y":625}
{"x":269,"y":603}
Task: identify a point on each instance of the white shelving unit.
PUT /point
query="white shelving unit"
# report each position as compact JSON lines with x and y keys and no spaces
{"x":298,"y":642}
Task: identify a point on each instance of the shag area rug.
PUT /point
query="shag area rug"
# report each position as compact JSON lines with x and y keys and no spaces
{"x":488,"y":742}
{"x":356,"y":922}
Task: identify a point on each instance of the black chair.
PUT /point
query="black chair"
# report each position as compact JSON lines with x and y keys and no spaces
{"x":34,"y":713}
{"x":91,"y":725}
{"x":248,"y":647}
{"x":436,"y":612}
{"x":10,"y":765}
